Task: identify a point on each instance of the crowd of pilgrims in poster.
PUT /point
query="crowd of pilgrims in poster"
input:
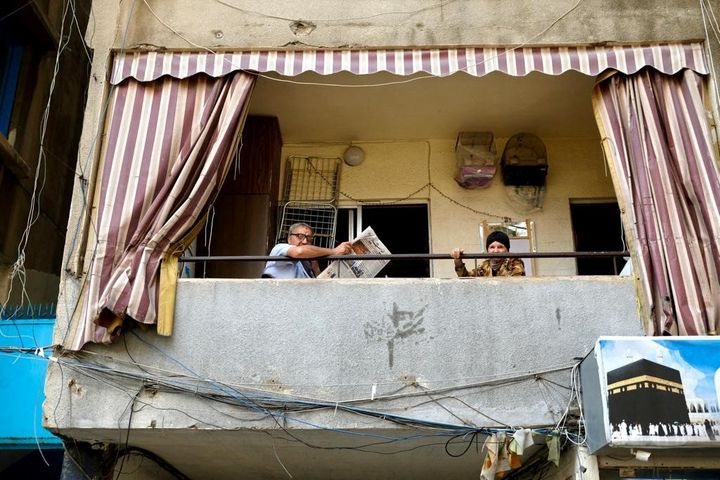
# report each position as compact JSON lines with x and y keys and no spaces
{"x":707,"y":429}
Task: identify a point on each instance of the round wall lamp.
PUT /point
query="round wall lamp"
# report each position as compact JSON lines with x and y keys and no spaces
{"x":354,"y":155}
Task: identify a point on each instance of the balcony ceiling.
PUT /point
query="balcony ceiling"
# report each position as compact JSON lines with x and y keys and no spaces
{"x":406,"y":108}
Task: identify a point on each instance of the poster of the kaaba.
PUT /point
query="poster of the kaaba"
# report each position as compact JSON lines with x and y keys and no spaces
{"x":661,"y":391}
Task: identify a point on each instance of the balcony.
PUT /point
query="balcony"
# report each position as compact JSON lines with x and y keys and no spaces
{"x":465,"y":352}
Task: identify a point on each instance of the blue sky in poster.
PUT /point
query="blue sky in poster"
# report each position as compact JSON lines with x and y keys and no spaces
{"x":698,"y":360}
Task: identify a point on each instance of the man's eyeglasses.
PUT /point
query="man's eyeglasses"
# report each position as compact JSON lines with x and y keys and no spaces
{"x":303,"y":237}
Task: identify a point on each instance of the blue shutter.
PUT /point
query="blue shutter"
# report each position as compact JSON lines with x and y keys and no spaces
{"x":10,"y":59}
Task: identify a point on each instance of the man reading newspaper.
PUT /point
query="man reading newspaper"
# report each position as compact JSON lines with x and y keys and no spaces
{"x":300,"y":250}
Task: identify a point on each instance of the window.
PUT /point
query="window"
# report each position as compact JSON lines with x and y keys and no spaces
{"x":402,"y":228}
{"x":10,"y":59}
{"x":597,"y":228}
{"x":26,"y":34}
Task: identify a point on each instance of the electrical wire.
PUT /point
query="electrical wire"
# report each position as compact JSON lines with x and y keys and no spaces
{"x":282,"y":409}
{"x":338,"y":20}
{"x":369,"y":85}
{"x":386,"y":398}
{"x":77,"y":464}
{"x":574,"y":399}
{"x":473,"y":438}
{"x":37,"y":408}
{"x":10,"y":14}
{"x":277,"y":457}
{"x":269,"y":404}
{"x":537,"y":463}
{"x":84,"y":214}
{"x":429,"y":185}
{"x":489,"y":380}
{"x":176,"y":473}
{"x":34,"y":210}
{"x":131,"y":405}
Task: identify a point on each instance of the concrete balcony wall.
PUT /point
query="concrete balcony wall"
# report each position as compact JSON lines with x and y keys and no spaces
{"x":480,"y":352}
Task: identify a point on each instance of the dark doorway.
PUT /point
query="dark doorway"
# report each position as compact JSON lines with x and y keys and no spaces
{"x":402,"y":228}
{"x":597,"y":228}
{"x":22,"y":464}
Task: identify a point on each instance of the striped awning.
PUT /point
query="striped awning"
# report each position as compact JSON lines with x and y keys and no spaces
{"x":666,"y":58}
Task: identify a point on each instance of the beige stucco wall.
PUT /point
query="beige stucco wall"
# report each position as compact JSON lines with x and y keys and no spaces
{"x":393,"y":170}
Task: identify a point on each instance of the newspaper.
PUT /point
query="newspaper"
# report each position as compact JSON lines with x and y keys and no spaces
{"x":365,"y":243}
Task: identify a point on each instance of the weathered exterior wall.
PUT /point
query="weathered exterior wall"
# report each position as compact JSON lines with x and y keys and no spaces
{"x":377,"y":23}
{"x":261,"y":333}
{"x":478,"y":338}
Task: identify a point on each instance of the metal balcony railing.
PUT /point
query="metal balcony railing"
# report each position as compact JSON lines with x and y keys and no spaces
{"x":410,"y":256}
{"x":472,"y":257}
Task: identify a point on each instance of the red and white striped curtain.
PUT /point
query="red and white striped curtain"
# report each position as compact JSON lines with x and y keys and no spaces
{"x":168,"y":146}
{"x":658,"y":141}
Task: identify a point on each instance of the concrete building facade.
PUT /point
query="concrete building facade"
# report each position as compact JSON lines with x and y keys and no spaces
{"x":347,"y":378}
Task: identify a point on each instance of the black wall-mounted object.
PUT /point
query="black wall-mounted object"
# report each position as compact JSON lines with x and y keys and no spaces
{"x":524,"y":161}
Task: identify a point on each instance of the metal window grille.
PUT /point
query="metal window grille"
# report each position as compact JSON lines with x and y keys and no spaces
{"x":310,"y":196}
{"x":312,"y":179}
{"x":320,"y":216}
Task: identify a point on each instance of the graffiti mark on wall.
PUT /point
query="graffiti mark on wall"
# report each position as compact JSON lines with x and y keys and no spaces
{"x":395,"y":326}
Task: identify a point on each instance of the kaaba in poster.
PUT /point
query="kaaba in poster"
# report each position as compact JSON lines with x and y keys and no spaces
{"x":654,"y":391}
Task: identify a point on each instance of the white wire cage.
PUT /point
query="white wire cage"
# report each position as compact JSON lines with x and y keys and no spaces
{"x":310,"y":196}
{"x":322,"y":218}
